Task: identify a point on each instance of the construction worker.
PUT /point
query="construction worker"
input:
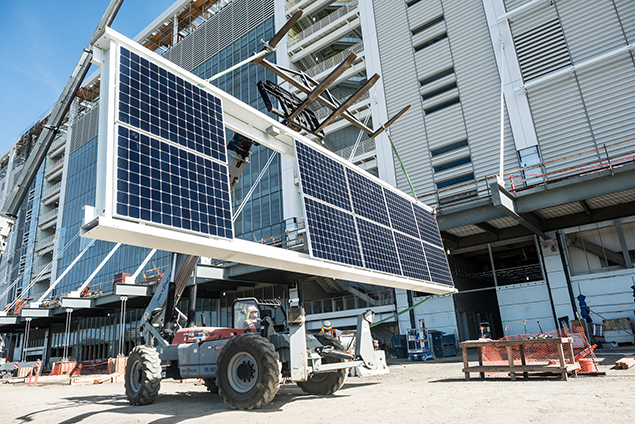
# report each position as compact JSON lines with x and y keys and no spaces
{"x":252,"y":322}
{"x":327,"y":328}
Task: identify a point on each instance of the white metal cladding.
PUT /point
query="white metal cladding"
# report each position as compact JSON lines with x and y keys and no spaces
{"x":423,"y":11}
{"x":608,"y":294}
{"x":236,"y":19}
{"x":591,"y":28}
{"x":445,"y":126}
{"x":211,"y":37}
{"x":530,"y":18}
{"x":560,"y":122}
{"x":187,"y":52}
{"x":528,"y":302}
{"x":438,"y":313}
{"x":399,"y":77}
{"x":608,"y":90}
{"x":479,"y":86}
{"x":626,"y":10}
{"x":198,"y":46}
{"x":84,"y":129}
{"x":433,"y":58}
{"x":241,"y":25}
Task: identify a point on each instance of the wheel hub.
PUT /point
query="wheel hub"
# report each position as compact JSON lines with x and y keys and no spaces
{"x":242,"y":372}
{"x":245,"y":371}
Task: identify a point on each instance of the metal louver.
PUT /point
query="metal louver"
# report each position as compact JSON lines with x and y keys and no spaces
{"x":542,"y":50}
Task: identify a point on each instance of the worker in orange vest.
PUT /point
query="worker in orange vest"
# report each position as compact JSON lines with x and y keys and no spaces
{"x":252,"y":323}
{"x":327,"y":328}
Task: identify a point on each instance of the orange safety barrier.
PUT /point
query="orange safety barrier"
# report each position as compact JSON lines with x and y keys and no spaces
{"x":541,"y":353}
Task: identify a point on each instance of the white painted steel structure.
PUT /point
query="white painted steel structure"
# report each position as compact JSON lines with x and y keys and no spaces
{"x":99,"y":221}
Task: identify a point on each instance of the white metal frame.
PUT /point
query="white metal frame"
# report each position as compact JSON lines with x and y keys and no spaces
{"x":99,"y":222}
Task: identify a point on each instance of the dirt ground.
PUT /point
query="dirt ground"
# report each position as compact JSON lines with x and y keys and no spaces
{"x":422,"y":392}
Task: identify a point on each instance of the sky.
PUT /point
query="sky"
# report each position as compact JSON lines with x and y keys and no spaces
{"x":42,"y":42}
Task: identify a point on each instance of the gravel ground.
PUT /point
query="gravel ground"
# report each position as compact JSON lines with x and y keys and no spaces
{"x":422,"y":392}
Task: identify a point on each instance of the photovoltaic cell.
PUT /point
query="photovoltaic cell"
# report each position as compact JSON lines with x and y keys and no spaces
{"x":322,"y":177}
{"x":332,"y":233}
{"x":368,"y":198}
{"x":438,"y":265}
{"x":163,"y":104}
{"x":164,"y":184}
{"x":401,"y":214}
{"x":377,"y":228}
{"x":378,"y":247}
{"x":413,"y":260}
{"x":428,"y":227}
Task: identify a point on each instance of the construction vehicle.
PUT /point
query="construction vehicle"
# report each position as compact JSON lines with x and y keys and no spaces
{"x":244,"y":367}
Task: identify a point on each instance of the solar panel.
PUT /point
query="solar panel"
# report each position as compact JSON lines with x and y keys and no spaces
{"x":402,"y":216}
{"x":438,"y":264}
{"x":157,"y":101}
{"x":163,"y":184}
{"x":428,"y":227}
{"x":332,"y":236}
{"x":381,"y":232}
{"x":378,"y":247}
{"x":171,"y":157}
{"x":368,"y":198}
{"x":322,"y":177}
{"x":412,"y":257}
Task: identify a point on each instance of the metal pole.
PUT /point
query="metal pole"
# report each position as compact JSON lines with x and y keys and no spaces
{"x":67,"y":331}
{"x":502,"y":144}
{"x":122,"y":323}
{"x":25,"y":344}
{"x":543,"y":270}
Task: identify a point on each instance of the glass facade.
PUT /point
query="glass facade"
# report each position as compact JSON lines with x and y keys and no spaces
{"x":80,"y":191}
{"x":262,"y":216}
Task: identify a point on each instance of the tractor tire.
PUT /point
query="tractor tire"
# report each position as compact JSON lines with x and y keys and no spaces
{"x":210,"y":383}
{"x":248,"y":376}
{"x":143,"y":375}
{"x":329,"y":382}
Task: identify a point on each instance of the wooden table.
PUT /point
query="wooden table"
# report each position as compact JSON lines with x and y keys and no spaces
{"x":562,"y":368}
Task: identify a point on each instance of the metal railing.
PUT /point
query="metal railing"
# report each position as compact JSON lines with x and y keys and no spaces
{"x":45,"y":242}
{"x":322,"y":23}
{"x":345,"y":303}
{"x":55,"y":166}
{"x":36,"y":271}
{"x":60,"y":140}
{"x":48,"y":216}
{"x":366,"y":146}
{"x":335,"y":59}
{"x":516,"y":181}
{"x":51,"y":190}
{"x":291,"y":3}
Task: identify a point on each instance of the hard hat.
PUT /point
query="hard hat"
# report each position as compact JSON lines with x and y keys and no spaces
{"x":251,"y":309}
{"x":327,"y":325}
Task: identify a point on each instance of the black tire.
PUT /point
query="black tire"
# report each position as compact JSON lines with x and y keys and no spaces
{"x":329,"y":382}
{"x":210,"y":383}
{"x":143,"y":375}
{"x":247,"y":373}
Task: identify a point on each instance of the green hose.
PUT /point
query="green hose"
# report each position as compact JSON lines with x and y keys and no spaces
{"x":403,"y":168}
{"x":402,"y":312}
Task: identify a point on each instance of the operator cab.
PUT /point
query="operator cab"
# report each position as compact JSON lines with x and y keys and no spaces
{"x":269,"y":313}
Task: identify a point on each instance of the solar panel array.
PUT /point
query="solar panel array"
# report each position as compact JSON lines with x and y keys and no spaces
{"x":171,"y":154}
{"x":354,"y":220}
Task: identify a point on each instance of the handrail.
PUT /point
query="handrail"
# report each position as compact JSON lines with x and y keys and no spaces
{"x":335,"y":59}
{"x":329,"y":19}
{"x":481,"y":186}
{"x":50,"y":190}
{"x":50,"y":214}
{"x":364,"y":147}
